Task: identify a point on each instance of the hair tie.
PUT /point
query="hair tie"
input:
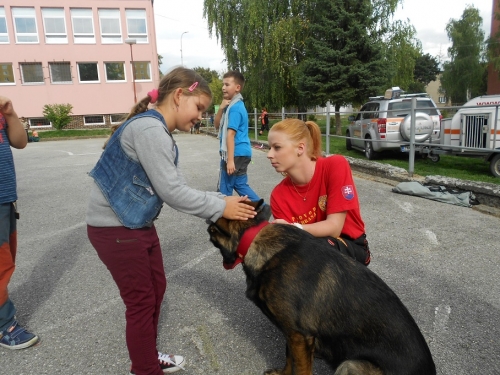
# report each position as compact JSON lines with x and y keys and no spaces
{"x":153,"y":95}
{"x":193,"y":86}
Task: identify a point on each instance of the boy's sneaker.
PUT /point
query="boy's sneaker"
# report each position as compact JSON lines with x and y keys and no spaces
{"x":169,"y":363}
{"x":16,"y":337}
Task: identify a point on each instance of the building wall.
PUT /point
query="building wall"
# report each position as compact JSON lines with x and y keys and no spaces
{"x":98,"y":98}
{"x":493,"y":79}
{"x":433,"y":90}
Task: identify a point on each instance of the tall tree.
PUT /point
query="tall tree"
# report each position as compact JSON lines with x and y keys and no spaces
{"x":266,"y":40}
{"x":344,"y":61}
{"x":426,"y":69}
{"x":463,"y":74}
{"x":206,"y":73}
{"x":402,"y":50}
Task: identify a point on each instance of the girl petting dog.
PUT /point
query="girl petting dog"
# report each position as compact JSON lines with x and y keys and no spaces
{"x":318,"y":193}
{"x":138,"y":172}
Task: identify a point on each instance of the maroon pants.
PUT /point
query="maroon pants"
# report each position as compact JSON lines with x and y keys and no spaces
{"x":133,"y":256}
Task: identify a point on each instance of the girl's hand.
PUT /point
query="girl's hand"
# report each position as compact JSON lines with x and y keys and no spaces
{"x":236,"y":209}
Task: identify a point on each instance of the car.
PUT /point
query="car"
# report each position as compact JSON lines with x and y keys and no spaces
{"x":384,"y":123}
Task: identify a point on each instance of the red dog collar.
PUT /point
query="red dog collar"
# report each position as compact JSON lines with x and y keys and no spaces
{"x":245,"y":242}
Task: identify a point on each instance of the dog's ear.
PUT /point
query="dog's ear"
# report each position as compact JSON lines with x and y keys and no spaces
{"x":263,"y":210}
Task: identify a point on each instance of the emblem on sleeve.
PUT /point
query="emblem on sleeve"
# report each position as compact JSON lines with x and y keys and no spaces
{"x":348,"y":192}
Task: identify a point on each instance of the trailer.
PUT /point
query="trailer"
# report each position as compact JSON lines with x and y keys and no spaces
{"x":474,"y":131}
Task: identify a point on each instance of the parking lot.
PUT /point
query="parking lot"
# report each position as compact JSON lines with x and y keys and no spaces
{"x":443,"y":261}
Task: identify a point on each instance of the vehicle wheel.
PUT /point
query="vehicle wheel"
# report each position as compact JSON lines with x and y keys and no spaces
{"x":495,"y":165}
{"x":435,"y":158}
{"x":369,"y":152}
{"x":348,"y":144}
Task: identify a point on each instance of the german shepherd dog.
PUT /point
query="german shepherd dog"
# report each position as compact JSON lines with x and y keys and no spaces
{"x":325,"y":303}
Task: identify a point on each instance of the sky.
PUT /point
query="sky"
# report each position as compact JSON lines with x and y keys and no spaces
{"x":181,"y":24}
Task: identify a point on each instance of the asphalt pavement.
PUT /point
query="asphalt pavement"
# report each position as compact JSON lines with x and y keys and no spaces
{"x":443,"y":261}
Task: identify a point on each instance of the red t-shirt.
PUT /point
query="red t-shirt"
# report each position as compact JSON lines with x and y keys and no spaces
{"x":331,"y":190}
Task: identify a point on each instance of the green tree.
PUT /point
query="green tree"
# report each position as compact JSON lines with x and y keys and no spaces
{"x":266,"y":41}
{"x":344,"y":61}
{"x":402,"y":49}
{"x":463,"y":75}
{"x":160,"y":61}
{"x":426,"y":69}
{"x":216,"y":88}
{"x":58,"y":114}
{"x":206,"y":73}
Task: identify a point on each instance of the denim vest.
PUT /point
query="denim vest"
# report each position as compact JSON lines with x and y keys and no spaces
{"x":124,"y":183}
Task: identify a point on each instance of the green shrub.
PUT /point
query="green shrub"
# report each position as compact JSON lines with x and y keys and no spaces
{"x":58,"y":114}
{"x":311,"y":117}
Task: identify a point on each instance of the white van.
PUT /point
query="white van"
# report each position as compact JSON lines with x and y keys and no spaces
{"x":477,"y":129}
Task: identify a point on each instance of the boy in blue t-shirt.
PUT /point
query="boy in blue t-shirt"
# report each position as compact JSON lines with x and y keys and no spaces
{"x":235,"y":149}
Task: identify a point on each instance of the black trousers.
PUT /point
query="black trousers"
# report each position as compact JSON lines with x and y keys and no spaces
{"x":354,"y":248}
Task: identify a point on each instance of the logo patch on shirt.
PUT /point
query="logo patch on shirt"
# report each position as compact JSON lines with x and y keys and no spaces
{"x":348,"y":192}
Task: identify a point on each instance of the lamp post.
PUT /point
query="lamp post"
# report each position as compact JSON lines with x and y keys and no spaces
{"x":130,"y":42}
{"x":182,"y":61}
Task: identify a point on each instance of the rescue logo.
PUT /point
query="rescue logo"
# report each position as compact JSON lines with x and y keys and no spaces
{"x":348,"y":192}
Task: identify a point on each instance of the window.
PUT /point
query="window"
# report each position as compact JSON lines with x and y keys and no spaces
{"x":6,"y":74}
{"x":111,"y":31}
{"x":54,"y":24}
{"x":117,"y":118}
{"x":32,"y":73}
{"x":25,"y":25}
{"x":83,"y":26}
{"x":442,"y":99}
{"x":39,"y":122}
{"x":88,"y":72}
{"x":115,"y":71}
{"x":4,"y":36}
{"x":93,"y":120}
{"x":60,"y":72}
{"x":136,"y":25}
{"x":142,"y":71}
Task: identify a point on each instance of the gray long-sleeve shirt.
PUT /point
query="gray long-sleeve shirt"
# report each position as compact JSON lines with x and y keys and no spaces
{"x":146,"y":141}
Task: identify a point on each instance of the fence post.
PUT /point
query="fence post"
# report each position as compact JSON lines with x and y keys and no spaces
{"x":327,"y":142}
{"x":411,"y":166}
{"x":282,"y":113}
{"x":255,"y":123}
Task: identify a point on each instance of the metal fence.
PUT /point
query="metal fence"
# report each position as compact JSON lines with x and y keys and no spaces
{"x":478,"y":133}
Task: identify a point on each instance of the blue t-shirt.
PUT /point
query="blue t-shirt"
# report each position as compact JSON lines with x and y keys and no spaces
{"x":7,"y":172}
{"x":238,"y":121}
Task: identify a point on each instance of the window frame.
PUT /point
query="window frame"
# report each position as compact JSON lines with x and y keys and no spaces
{"x":134,"y":70}
{"x":79,"y":75}
{"x":55,"y":37}
{"x":6,"y":33}
{"x":12,"y":73}
{"x":93,"y":123}
{"x":115,"y":80}
{"x":110,"y":14}
{"x":31,"y":120}
{"x":14,"y":10}
{"x":141,"y":38}
{"x":21,"y":69}
{"x":82,"y":38}
{"x":60,"y":63}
